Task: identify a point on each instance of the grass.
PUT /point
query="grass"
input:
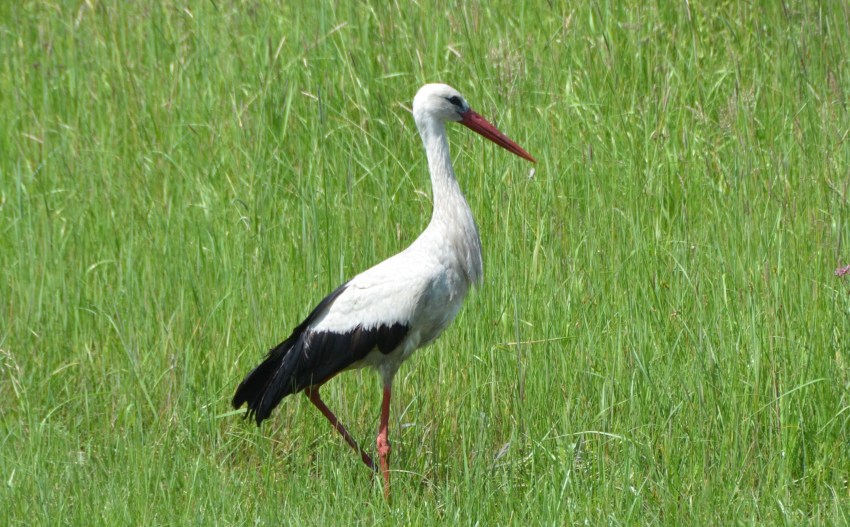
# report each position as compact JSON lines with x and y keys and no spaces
{"x":660,"y":338}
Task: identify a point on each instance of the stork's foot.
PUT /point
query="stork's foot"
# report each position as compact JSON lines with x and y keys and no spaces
{"x":384,"y":460}
{"x":383,"y":441}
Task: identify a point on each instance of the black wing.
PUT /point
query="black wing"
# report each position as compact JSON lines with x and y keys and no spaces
{"x":309,"y":358}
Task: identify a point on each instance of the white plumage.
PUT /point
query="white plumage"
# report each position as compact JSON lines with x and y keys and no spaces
{"x":382,"y":315}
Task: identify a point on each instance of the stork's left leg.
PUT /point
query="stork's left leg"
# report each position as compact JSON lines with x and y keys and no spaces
{"x":312,"y":393}
{"x":384,"y":442}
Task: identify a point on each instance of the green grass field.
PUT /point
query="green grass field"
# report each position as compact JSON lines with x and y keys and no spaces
{"x":661,"y":338}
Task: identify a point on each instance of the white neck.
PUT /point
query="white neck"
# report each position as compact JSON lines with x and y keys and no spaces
{"x":452,"y":224}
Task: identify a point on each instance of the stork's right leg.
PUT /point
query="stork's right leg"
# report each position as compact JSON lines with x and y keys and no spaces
{"x":384,"y":441}
{"x":312,"y":393}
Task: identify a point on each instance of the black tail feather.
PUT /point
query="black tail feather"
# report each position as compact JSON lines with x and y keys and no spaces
{"x":309,"y":358}
{"x":281,"y":373}
{"x":266,"y":385}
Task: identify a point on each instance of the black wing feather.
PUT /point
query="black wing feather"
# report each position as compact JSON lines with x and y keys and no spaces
{"x":309,"y":358}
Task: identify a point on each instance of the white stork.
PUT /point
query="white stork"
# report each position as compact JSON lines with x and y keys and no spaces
{"x":382,"y":315}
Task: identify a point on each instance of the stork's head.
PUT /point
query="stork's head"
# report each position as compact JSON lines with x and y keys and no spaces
{"x":443,"y":103}
{"x":440,"y":101}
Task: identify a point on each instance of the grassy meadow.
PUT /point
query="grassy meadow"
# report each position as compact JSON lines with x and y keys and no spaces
{"x":660,"y":339}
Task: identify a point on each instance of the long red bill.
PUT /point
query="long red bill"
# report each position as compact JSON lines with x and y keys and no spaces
{"x":480,"y":125}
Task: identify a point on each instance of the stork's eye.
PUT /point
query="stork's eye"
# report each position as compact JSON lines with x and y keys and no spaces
{"x":454,"y":99}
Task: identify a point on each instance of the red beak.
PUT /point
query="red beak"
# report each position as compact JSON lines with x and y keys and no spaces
{"x":480,"y":125}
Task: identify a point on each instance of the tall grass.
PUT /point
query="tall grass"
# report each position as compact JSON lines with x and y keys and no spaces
{"x":660,"y":339}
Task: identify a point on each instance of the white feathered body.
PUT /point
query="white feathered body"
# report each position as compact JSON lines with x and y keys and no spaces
{"x":422,"y":288}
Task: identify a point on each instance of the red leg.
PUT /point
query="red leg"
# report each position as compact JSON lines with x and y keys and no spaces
{"x":384,"y":442}
{"x":313,"y":394}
